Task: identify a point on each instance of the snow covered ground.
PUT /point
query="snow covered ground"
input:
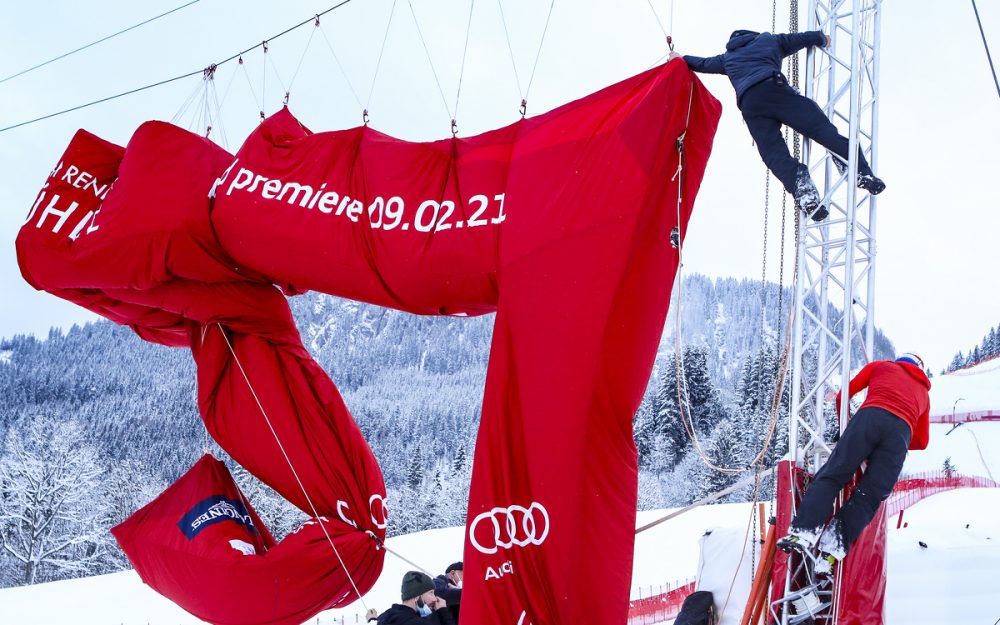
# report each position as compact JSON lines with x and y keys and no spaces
{"x":950,"y":582}
{"x":954,"y":580}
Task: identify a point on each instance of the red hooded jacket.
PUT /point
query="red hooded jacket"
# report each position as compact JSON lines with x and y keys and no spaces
{"x":901,"y":388}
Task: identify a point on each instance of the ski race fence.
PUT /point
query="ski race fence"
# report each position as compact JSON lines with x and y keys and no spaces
{"x":967,"y":417}
{"x":660,"y":604}
{"x":913,"y":488}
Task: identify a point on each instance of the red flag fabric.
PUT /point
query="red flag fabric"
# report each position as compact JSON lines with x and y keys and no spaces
{"x":561,"y":224}
{"x":145,"y":255}
{"x":203,"y":532}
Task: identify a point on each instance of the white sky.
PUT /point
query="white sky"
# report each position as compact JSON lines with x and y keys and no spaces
{"x":937,"y":225}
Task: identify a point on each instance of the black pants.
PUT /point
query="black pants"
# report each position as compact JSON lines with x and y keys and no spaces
{"x":873,"y":434}
{"x":771,"y":103}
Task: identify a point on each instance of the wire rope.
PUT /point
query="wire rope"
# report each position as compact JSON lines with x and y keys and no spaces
{"x":94,"y":43}
{"x":175,"y":78}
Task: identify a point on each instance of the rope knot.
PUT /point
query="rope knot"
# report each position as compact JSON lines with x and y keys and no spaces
{"x":209,"y":72}
{"x":287,"y":94}
{"x":524,"y":107}
{"x":454,"y":128}
{"x":364,"y":116}
{"x":317,"y":21}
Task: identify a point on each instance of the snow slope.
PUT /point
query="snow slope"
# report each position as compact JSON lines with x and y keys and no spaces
{"x":975,"y":388}
{"x":953,"y":581}
{"x":974,"y":448}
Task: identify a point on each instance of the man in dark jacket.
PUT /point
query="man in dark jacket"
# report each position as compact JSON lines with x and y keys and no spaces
{"x":449,"y":588}
{"x":417,"y":591}
{"x":893,"y":419}
{"x":753,"y":63}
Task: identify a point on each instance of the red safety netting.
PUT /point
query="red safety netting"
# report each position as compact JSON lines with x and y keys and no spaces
{"x":659,"y":607}
{"x":914,"y":488}
{"x":967,"y":417}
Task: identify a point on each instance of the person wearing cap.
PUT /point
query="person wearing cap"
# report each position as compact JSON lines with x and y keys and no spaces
{"x":752,"y":61}
{"x":417,"y":591}
{"x":449,"y":588}
{"x":893,"y":419}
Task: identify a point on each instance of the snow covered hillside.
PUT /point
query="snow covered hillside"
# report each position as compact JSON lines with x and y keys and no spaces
{"x":953,"y":580}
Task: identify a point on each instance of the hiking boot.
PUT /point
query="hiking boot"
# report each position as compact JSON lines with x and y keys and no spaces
{"x":807,"y":196}
{"x":866,"y":179}
{"x":871,"y":183}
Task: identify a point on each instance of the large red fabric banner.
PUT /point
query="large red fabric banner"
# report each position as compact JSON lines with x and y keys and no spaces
{"x":560,"y":224}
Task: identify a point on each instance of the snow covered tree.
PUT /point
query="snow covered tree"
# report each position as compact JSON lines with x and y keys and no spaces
{"x":650,"y":491}
{"x":723,"y":450}
{"x":460,"y":460}
{"x":666,"y":423}
{"x":756,"y":400}
{"x":50,"y":516}
{"x":700,"y":400}
{"x":415,"y":475}
{"x":125,"y":487}
{"x":948,"y":468}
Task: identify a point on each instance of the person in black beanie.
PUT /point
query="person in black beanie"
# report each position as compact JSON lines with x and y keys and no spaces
{"x":417,"y":591}
{"x":752,"y":61}
{"x":449,"y":588}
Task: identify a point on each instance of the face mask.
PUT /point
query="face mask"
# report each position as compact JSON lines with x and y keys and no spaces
{"x":423,"y":610}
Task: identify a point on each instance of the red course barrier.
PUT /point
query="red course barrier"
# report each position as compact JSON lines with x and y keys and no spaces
{"x":657,"y":608}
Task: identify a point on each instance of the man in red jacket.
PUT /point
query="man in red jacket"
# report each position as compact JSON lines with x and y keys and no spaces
{"x":893,"y":419}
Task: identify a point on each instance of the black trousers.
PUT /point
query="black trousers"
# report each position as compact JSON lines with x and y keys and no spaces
{"x":875,"y":435}
{"x":771,"y":103}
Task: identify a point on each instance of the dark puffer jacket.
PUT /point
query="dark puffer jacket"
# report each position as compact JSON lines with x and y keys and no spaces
{"x":752,"y":57}
{"x":403,"y":615}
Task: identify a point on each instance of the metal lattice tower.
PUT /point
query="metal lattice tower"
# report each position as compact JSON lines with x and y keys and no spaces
{"x":833,"y":330}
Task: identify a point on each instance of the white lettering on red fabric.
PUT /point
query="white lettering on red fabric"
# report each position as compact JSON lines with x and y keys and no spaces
{"x":507,"y":568}
{"x":383,"y":213}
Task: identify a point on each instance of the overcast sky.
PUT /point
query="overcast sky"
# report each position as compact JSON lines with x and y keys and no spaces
{"x":937,"y":228}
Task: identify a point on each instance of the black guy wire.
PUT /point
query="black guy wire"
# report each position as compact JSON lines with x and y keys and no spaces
{"x":94,"y":43}
{"x":311,"y":20}
{"x":986,"y":45}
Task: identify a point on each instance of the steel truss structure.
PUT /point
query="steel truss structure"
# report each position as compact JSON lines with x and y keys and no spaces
{"x":833,"y":328}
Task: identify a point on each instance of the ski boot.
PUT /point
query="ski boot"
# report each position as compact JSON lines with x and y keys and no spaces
{"x":807,"y":196}
{"x":824,"y":564}
{"x":799,"y":540}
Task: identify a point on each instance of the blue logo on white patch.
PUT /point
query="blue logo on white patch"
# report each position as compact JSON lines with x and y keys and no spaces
{"x":215,"y":509}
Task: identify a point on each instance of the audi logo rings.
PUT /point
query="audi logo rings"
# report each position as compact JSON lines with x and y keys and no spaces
{"x":513,"y":525}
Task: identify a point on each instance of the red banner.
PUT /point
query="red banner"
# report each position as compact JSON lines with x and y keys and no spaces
{"x":560,"y":224}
